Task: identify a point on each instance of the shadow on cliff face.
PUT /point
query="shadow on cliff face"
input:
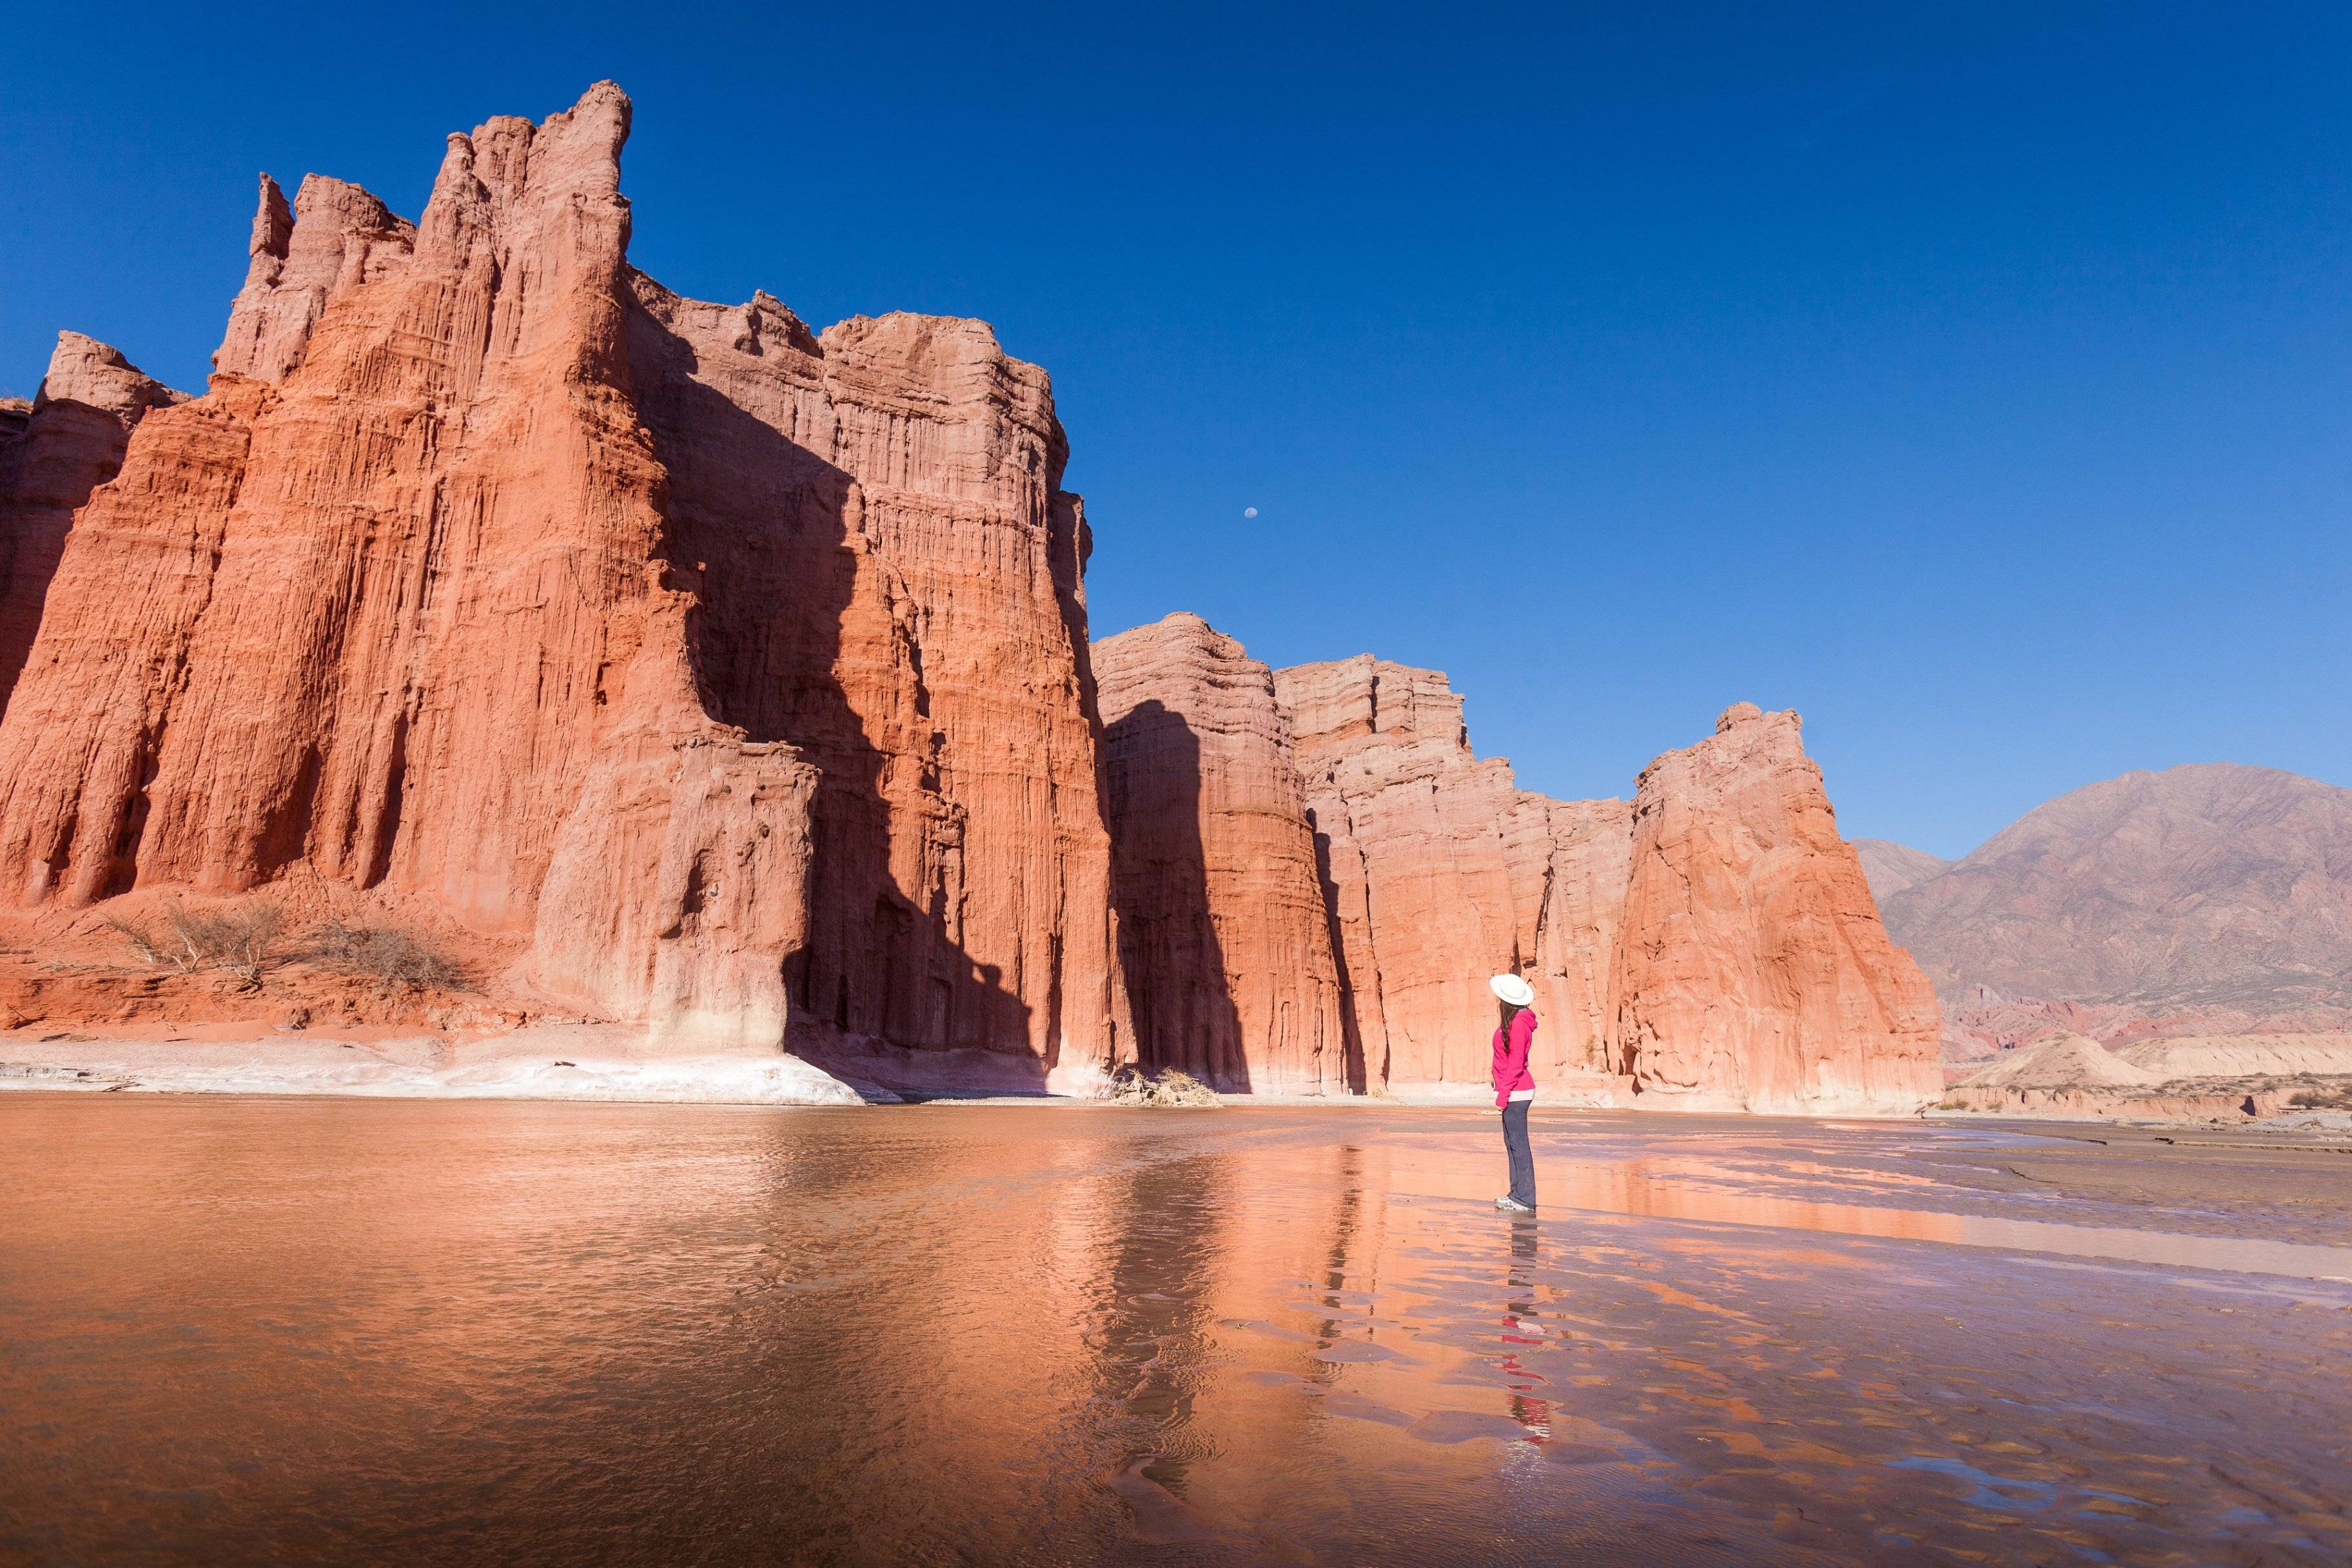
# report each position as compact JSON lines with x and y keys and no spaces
{"x":1352,"y":1031}
{"x":61,"y":452}
{"x":803,"y":635}
{"x":1176,"y":984}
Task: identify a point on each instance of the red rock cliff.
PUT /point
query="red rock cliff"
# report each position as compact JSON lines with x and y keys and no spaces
{"x":1568,"y":861}
{"x":1440,"y":872}
{"x":71,"y":442}
{"x":1753,"y":972}
{"x":745,"y":670}
{"x":889,"y":578}
{"x":1714,"y":940}
{"x":737,"y":674}
{"x":1222,"y":928}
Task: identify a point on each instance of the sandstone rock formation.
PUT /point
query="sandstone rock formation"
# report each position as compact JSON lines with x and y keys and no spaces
{"x":1438,"y":872}
{"x":1225,"y":941}
{"x":69,"y":442}
{"x":1408,"y":827}
{"x":2211,"y":890}
{"x":1891,"y":867}
{"x":1568,"y":862}
{"x":1753,"y":970}
{"x":743,"y":668}
{"x":731,"y":679}
{"x":889,"y":578}
{"x":335,"y":237}
{"x":1715,"y":940}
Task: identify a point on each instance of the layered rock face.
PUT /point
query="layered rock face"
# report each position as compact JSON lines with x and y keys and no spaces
{"x":390,"y":599}
{"x":1408,"y":837}
{"x":735,"y":676}
{"x":1225,"y":941}
{"x":1438,"y":872}
{"x":744,"y":670}
{"x":1753,"y":971}
{"x":1714,"y":941}
{"x":1568,"y":860}
{"x":889,"y":576}
{"x":70,"y":441}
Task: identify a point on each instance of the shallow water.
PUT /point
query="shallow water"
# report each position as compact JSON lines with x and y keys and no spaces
{"x":338,"y":1331}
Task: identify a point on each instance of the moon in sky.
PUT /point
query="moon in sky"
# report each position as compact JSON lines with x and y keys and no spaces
{"x":1249,"y":512}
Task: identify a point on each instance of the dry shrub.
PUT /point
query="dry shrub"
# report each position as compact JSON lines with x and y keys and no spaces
{"x":152,"y":945}
{"x":390,"y":954}
{"x":242,"y":939}
{"x":1131,"y":1086}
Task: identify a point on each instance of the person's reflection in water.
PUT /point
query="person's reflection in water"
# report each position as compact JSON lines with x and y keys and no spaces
{"x":1335,"y":1266}
{"x":1523,"y":1331}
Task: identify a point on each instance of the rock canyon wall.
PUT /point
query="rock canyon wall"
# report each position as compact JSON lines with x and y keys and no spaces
{"x":1753,"y":971}
{"x":732,"y":680}
{"x":888,"y":577}
{"x":742,"y":670}
{"x":1225,"y":941}
{"x":1409,"y":837}
{"x":1710,"y":945}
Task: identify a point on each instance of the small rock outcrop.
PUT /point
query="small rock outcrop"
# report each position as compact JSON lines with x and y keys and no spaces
{"x":1225,"y":941}
{"x":333,"y":238}
{"x":1753,"y":972}
{"x":69,"y":441}
{"x":2062,"y":1061}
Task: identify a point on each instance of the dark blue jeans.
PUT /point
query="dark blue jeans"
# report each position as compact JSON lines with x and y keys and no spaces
{"x":1523,"y":1154}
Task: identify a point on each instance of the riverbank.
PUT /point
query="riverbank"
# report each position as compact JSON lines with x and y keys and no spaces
{"x":575,"y":1061}
{"x":549,"y":1062}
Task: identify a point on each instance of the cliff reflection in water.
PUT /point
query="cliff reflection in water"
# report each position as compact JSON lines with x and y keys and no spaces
{"x":443,"y":1332}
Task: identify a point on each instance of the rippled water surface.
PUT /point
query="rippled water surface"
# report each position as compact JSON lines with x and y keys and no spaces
{"x":361,"y":1332}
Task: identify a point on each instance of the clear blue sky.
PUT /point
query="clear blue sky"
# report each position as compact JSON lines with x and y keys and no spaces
{"x":1975,"y":378}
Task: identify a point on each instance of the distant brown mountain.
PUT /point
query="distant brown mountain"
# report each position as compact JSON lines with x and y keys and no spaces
{"x":2204,"y":887}
{"x":1890,"y":866}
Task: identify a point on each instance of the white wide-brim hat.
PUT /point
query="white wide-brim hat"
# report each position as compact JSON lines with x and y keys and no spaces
{"x":1513,"y":989}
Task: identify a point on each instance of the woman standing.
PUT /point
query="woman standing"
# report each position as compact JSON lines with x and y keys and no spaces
{"x":1514,"y":1087}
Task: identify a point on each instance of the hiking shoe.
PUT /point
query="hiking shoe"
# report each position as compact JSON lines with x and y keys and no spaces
{"x":1513,"y":1205}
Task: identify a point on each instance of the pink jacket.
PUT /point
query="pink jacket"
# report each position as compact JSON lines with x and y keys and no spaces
{"x":1511,"y":1056}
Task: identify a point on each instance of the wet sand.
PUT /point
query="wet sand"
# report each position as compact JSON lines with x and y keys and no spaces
{"x":380,"y":1331}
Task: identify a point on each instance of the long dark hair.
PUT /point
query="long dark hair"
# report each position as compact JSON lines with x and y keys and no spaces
{"x":1510,"y":1010}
